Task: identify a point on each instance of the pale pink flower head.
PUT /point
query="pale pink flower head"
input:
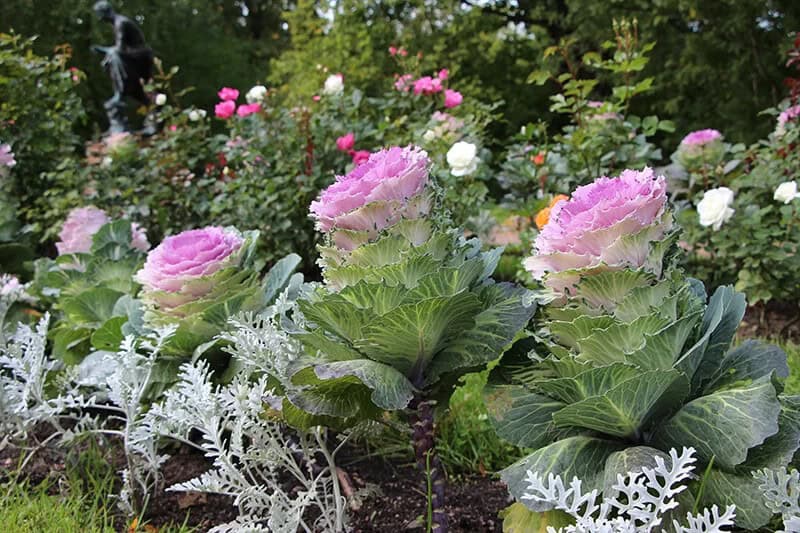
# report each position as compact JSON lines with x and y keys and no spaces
{"x":701,"y":137}
{"x":700,"y":148}
{"x":225,"y":110}
{"x":316,"y":98}
{"x":789,"y":114}
{"x":345,"y":143}
{"x":6,"y":156}
{"x":81,"y":225}
{"x":79,"y":228}
{"x":452,"y":98}
{"x":245,"y":110}
{"x":360,"y":156}
{"x":374,"y":195}
{"x":175,"y":271}
{"x":609,"y":224}
{"x":427,"y":85}
{"x":404,"y":83}
{"x":139,"y":237}
{"x":228,"y":94}
{"x":392,"y":51}
{"x":443,"y":74}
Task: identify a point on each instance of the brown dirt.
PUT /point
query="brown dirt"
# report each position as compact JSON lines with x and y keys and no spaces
{"x":472,"y":501}
{"x":775,"y":320}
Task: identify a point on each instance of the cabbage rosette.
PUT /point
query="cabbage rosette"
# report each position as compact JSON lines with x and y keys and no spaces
{"x":196,"y":280}
{"x":631,"y":359}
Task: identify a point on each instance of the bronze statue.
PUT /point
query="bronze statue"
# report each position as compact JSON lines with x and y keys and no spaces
{"x":129,"y":62}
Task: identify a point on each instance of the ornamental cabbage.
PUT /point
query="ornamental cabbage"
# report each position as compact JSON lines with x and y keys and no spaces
{"x":405,"y":309}
{"x":630,"y":360}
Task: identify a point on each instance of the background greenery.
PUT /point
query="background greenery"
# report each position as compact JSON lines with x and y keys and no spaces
{"x":715,"y":64}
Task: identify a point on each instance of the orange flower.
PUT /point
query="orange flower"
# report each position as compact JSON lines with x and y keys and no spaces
{"x":543,"y":216}
{"x":538,"y":159}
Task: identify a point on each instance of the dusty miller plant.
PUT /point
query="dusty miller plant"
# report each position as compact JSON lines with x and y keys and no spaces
{"x":253,"y":454}
{"x":781,"y":490}
{"x":637,"y":503}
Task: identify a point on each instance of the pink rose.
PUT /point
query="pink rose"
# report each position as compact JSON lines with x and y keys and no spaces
{"x":245,"y":110}
{"x":360,"y":156}
{"x":443,"y":74}
{"x":225,"y":110}
{"x":379,"y":192}
{"x":6,"y":156}
{"x":178,"y":264}
{"x":228,"y":94}
{"x":139,"y":237}
{"x":316,"y":98}
{"x":392,"y":50}
{"x":345,"y":143}
{"x":403,"y":83}
{"x":452,"y":98}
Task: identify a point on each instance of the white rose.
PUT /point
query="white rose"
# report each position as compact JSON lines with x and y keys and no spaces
{"x":429,"y":135}
{"x":256,"y":94}
{"x":786,"y":192}
{"x":196,"y":115}
{"x":715,"y":207}
{"x":333,"y":85}
{"x":462,"y":158}
{"x":161,"y":99}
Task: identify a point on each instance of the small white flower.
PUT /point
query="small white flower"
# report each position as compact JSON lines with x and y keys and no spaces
{"x":196,"y":115}
{"x":786,"y":192}
{"x":429,"y":135}
{"x":462,"y":158}
{"x":523,"y":130}
{"x":715,"y":207}
{"x":161,"y":99}
{"x":333,"y":85}
{"x":256,"y":94}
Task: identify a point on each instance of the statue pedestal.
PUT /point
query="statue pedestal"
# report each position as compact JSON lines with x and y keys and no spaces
{"x":117,"y":118}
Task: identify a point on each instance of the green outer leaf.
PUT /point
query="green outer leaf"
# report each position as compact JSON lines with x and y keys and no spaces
{"x":502,"y":317}
{"x":722,"y":318}
{"x":588,"y":383}
{"x":520,"y":416}
{"x":626,"y":409}
{"x":779,"y":449}
{"x":278,"y":277}
{"x":725,"y":488}
{"x":390,"y":389}
{"x":724,"y":425}
{"x":336,"y":315}
{"x":109,"y":335}
{"x":380,"y":299}
{"x":113,"y":240}
{"x":345,"y":397}
{"x":407,"y":337}
{"x":92,"y":307}
{"x":582,"y":457}
{"x":519,"y":519}
{"x":631,"y":459}
{"x":318,"y":345}
{"x":750,"y":360}
{"x":663,"y":348}
{"x":70,"y":344}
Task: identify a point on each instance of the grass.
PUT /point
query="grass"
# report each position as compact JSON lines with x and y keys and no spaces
{"x":80,"y":500}
{"x":793,"y":355}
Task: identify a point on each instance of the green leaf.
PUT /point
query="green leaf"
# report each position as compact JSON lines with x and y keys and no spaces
{"x":92,"y":307}
{"x":726,"y":488}
{"x":336,"y":315}
{"x":632,"y":459}
{"x":345,"y":397}
{"x":503,"y":316}
{"x":724,"y":425}
{"x":278,"y":277}
{"x":519,"y":519}
{"x":71,"y":344}
{"x":779,"y":449}
{"x":407,"y":337}
{"x":625,"y":409}
{"x":378,"y":298}
{"x":390,"y":389}
{"x":582,"y":457}
{"x":521,"y":417}
{"x":113,"y":240}
{"x":109,"y":335}
{"x":538,"y":77}
{"x":750,"y":360}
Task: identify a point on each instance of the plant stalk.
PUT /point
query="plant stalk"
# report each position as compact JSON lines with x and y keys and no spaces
{"x":429,"y":464}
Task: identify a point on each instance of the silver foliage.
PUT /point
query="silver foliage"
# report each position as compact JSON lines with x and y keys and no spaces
{"x":782,"y":495}
{"x":251,"y":453}
{"x":638,"y":504}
